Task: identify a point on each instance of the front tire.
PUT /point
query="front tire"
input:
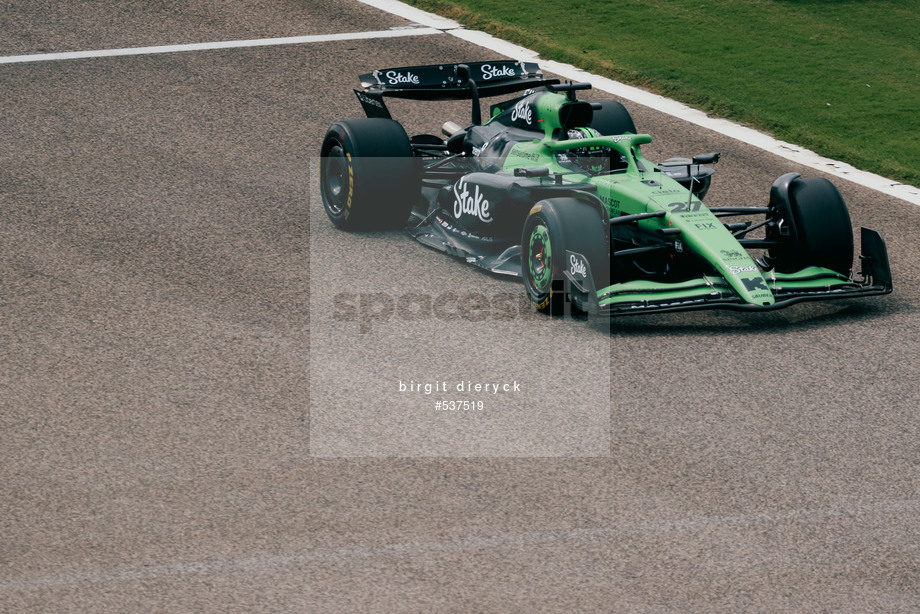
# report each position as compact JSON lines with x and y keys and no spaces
{"x":820,"y":232}
{"x":565,"y":255}
{"x":368,"y":175}
{"x":542,"y":262}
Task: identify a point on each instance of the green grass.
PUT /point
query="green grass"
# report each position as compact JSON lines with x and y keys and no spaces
{"x":839,"y":77}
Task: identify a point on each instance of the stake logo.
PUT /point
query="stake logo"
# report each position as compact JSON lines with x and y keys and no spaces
{"x":490,"y":72}
{"x":522,"y":111}
{"x":397,"y":77}
{"x":474,"y":204}
{"x":738,"y":270}
{"x":577,"y":266}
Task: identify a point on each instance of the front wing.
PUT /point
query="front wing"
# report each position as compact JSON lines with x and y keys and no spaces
{"x":714,"y":292}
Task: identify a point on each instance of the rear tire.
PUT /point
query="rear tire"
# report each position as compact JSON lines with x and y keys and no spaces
{"x":612,"y":119}
{"x":368,"y":175}
{"x":821,"y":233}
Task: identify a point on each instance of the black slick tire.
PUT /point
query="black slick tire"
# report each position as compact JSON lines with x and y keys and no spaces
{"x":368,"y":175}
{"x":565,"y":240}
{"x":612,"y":119}
{"x":821,"y":233}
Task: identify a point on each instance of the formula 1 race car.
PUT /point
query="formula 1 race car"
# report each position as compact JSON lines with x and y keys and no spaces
{"x":555,"y":190}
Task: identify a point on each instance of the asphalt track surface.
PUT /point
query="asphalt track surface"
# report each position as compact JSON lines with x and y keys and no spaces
{"x":172,"y":373}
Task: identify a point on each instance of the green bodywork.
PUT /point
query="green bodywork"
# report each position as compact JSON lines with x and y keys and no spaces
{"x":643,"y":188}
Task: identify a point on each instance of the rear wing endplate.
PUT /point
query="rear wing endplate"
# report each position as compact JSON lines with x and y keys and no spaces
{"x":466,"y":81}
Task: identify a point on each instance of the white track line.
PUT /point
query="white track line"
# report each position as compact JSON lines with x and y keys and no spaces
{"x":263,"y":42}
{"x":744,"y":134}
{"x":529,"y":539}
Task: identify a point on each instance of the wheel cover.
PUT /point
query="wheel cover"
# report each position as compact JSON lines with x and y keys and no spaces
{"x":335,"y":180}
{"x":540,"y":261}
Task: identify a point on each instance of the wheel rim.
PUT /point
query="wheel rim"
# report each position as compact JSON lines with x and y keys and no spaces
{"x":540,"y":262}
{"x":335,"y":179}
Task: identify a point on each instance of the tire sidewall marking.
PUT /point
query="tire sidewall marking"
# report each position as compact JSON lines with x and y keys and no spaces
{"x":351,"y":186}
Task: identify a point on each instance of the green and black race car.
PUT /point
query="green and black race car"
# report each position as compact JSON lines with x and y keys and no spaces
{"x":556,"y":190}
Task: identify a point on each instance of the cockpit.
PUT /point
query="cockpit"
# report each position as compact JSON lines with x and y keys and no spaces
{"x":593,"y":160}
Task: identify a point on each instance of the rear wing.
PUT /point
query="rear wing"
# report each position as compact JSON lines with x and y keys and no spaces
{"x":466,"y":81}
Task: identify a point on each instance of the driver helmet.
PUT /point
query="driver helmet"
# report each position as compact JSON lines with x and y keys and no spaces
{"x":592,"y":159}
